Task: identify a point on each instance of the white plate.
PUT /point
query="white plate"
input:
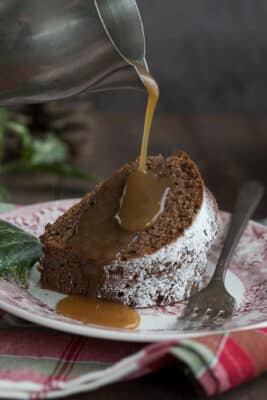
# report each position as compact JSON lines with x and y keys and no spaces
{"x":246,"y":281}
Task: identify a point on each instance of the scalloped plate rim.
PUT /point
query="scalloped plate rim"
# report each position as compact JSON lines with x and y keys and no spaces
{"x":101,"y":332}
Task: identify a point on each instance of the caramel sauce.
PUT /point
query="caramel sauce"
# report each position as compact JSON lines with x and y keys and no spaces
{"x":144,"y":193}
{"x":152,"y":99}
{"x":142,"y":201}
{"x":123,"y":208}
{"x":120,"y":210}
{"x":98,"y":312}
{"x":99,"y":236}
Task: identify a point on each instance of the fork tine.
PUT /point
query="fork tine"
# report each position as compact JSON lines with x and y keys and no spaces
{"x":190,"y":319}
{"x":216,"y":305}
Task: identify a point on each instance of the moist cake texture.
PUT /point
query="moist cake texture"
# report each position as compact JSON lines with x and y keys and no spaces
{"x":165,"y":263}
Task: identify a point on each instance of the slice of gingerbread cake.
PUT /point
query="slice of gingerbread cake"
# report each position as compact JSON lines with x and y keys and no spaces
{"x":87,"y":252}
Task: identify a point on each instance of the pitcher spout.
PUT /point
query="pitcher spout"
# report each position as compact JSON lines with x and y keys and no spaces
{"x":70,"y":48}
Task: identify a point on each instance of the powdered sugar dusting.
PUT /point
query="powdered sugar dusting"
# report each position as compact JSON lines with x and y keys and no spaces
{"x":171,"y":273}
{"x":247,"y":282}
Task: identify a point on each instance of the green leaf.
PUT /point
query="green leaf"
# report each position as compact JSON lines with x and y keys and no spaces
{"x":23,"y":133}
{"x":18,"y":252}
{"x":48,"y":154}
{"x":48,"y":150}
{"x":45,"y":151}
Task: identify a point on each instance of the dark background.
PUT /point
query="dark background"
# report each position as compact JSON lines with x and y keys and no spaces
{"x":210,"y":59}
{"x":208,"y":56}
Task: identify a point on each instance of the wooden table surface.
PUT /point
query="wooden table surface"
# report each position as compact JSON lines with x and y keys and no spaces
{"x":228,"y":149}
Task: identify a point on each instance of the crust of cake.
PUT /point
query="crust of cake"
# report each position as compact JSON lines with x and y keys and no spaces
{"x":165,"y":263}
{"x":181,"y":207}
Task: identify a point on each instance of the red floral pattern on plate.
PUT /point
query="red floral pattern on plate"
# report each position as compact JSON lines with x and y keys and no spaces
{"x":247,"y":280}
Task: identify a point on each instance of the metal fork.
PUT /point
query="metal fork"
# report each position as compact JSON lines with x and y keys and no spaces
{"x":212,"y":306}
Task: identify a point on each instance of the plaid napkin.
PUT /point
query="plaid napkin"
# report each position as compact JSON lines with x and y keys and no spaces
{"x":37,"y":363}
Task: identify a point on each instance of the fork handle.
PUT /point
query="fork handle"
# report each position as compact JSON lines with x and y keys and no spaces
{"x":247,"y":201}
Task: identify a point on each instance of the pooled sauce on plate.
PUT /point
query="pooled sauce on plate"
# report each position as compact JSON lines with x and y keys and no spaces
{"x":98,"y":312}
{"x":111,"y":222}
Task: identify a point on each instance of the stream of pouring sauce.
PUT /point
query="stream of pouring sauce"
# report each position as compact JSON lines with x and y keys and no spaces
{"x":152,"y":100}
{"x":144,"y":193}
{"x":118,"y":214}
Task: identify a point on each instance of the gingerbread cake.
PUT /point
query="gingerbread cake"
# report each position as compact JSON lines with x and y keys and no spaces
{"x":162,"y":264}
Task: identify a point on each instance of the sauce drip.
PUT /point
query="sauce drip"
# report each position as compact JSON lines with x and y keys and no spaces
{"x":98,"y":312}
{"x":144,"y":193}
{"x":99,"y":236}
{"x":121,"y":208}
{"x":152,"y":99}
{"x":143,"y":200}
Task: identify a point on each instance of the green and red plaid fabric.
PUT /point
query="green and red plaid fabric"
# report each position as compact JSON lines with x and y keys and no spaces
{"x":37,"y":363}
